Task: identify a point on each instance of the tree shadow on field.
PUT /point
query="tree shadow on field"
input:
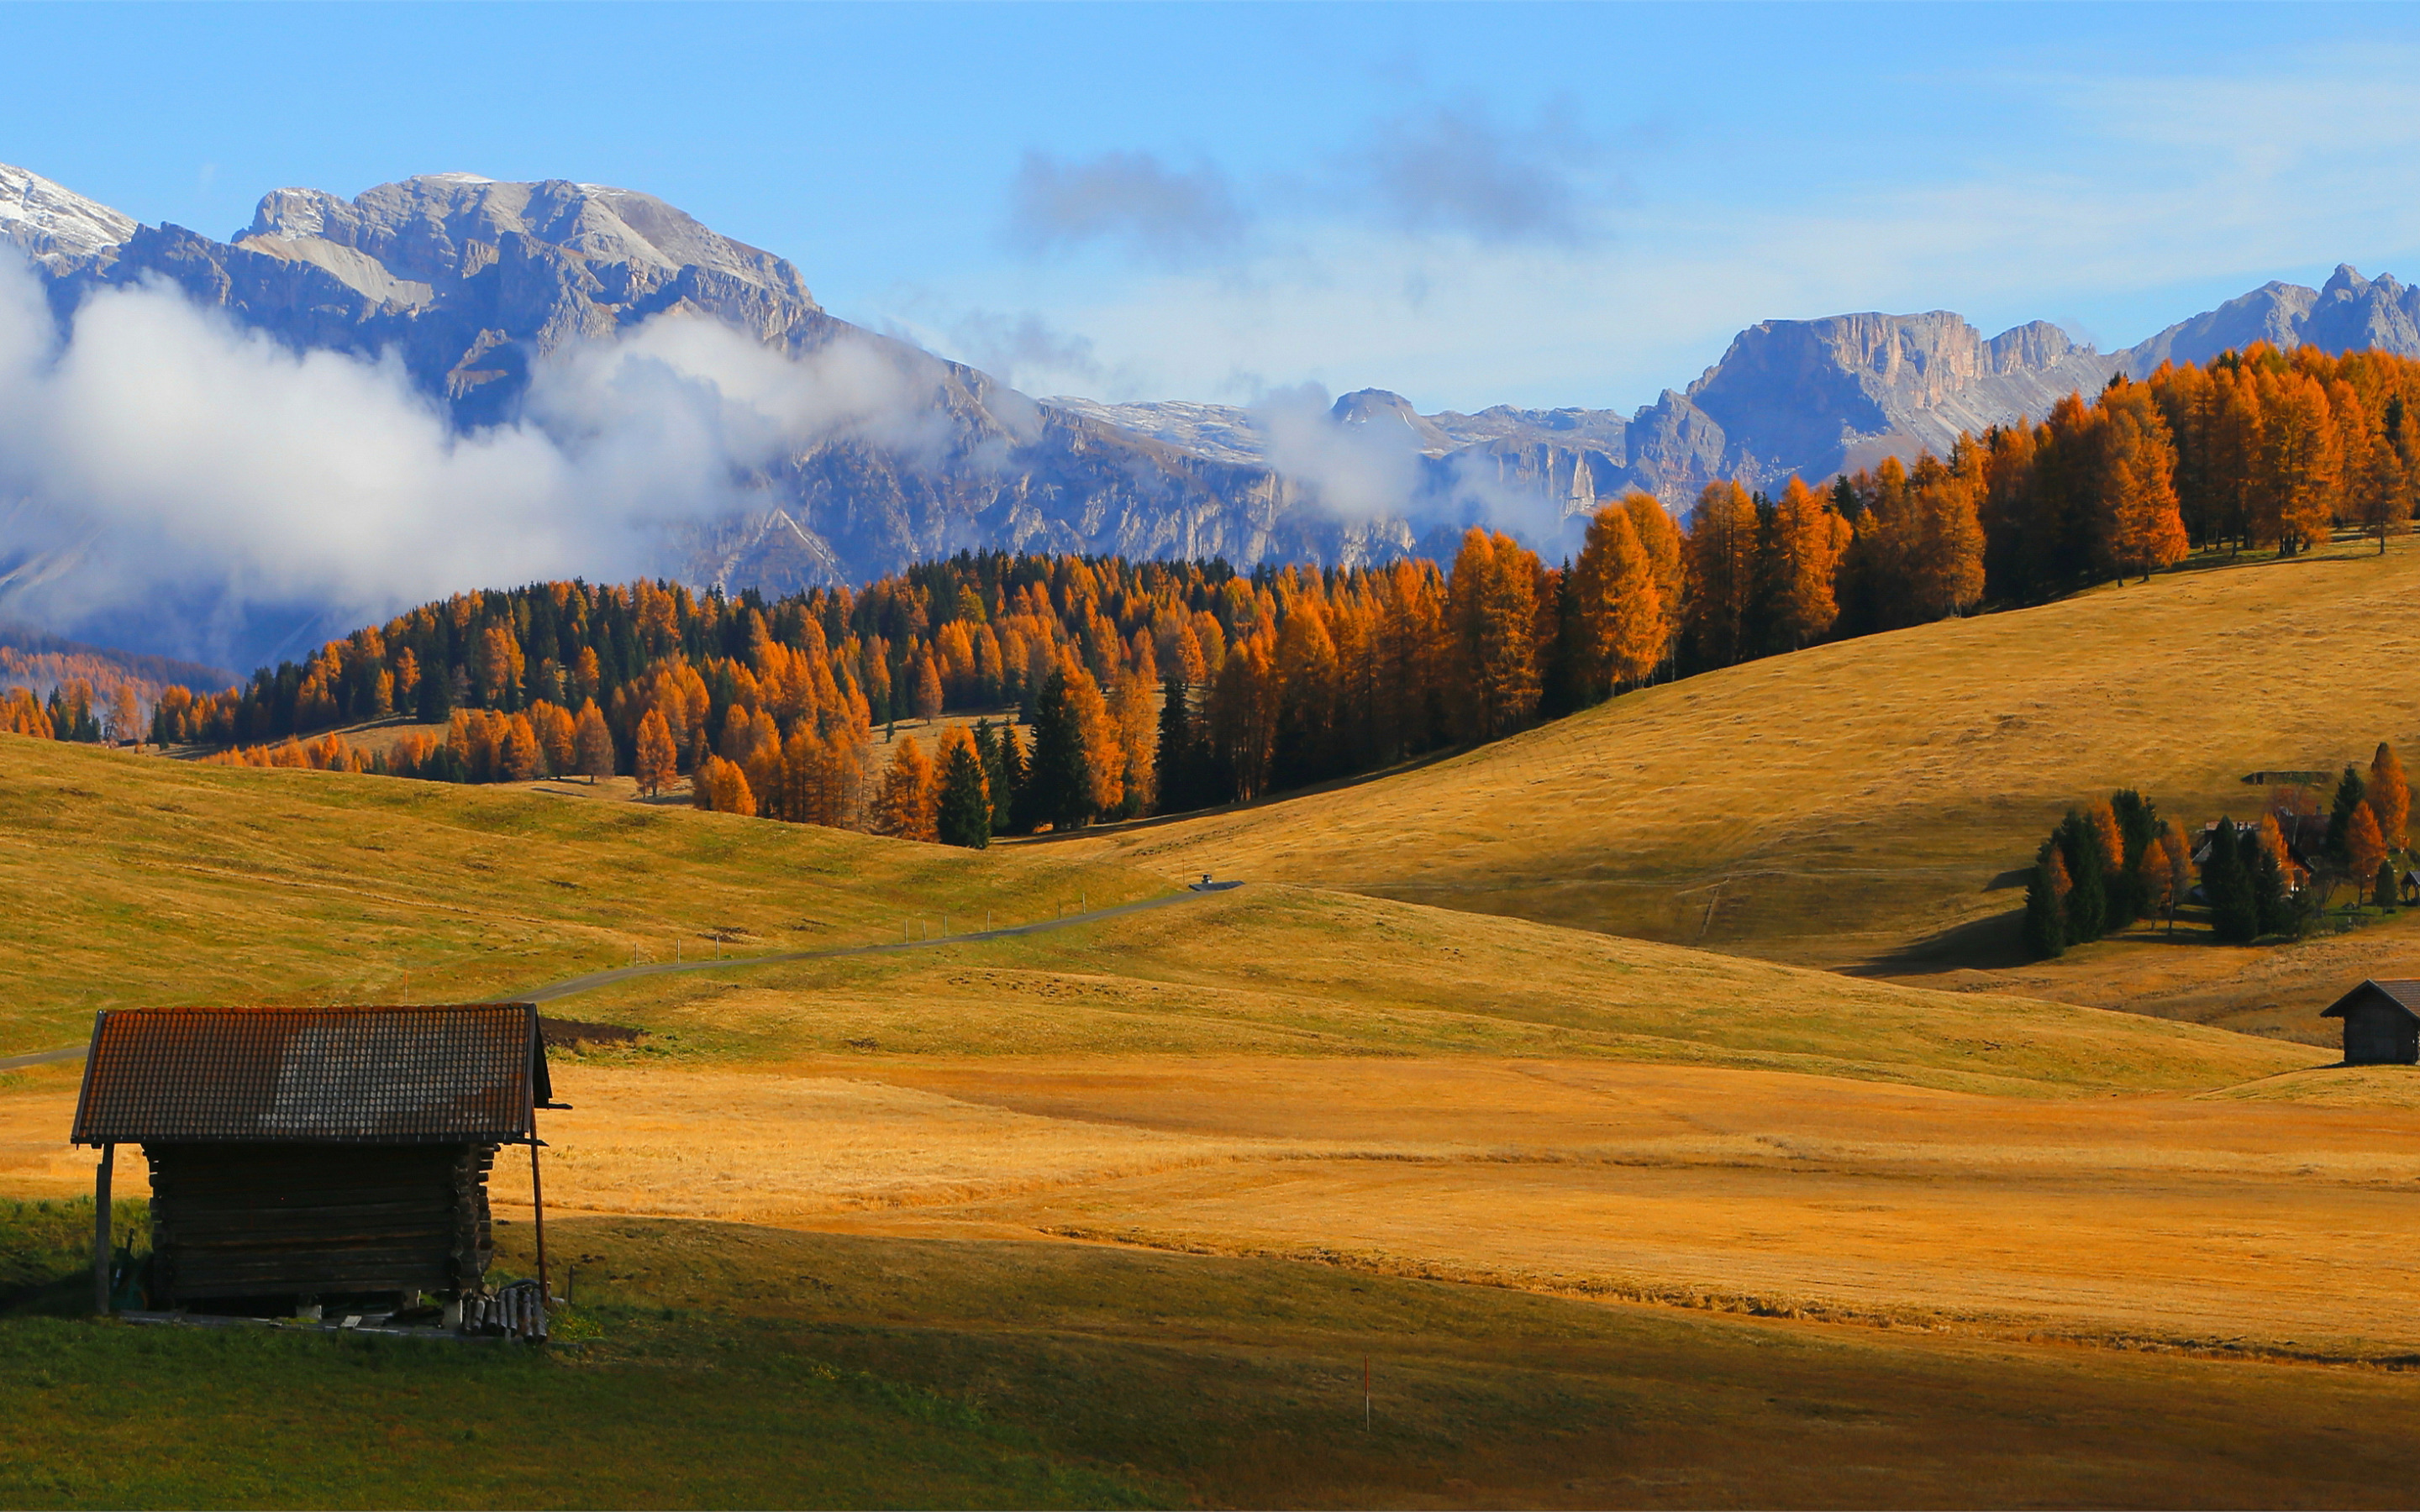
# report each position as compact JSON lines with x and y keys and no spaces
{"x":1992,"y":944}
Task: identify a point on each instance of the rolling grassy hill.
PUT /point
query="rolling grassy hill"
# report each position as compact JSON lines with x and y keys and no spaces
{"x":145,"y":881}
{"x":132,"y":880}
{"x":1867,"y":802}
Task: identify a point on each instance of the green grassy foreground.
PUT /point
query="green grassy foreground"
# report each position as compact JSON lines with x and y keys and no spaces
{"x":719,"y":1366}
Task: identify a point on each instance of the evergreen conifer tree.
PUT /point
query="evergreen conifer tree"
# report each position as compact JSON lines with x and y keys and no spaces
{"x":2045,"y":928}
{"x":2139,"y":828}
{"x":1179,"y":761}
{"x":1008,"y":786}
{"x":2087,"y":898}
{"x":2226,"y":885}
{"x":1060,"y":780}
{"x":2349,"y":792}
{"x":964,"y":817}
{"x":2383,"y":890}
{"x":2271,"y":910}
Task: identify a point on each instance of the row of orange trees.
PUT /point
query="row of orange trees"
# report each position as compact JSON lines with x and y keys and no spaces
{"x":1198,"y":684}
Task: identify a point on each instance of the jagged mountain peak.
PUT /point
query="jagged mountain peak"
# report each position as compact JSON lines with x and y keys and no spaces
{"x":1379,"y":406}
{"x":55,"y":226}
{"x":438,"y":230}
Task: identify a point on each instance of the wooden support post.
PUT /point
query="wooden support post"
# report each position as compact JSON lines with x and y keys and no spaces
{"x":100,"y":1230}
{"x":537,"y":1202}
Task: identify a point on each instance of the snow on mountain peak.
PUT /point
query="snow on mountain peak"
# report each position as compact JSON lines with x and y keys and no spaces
{"x":55,"y":226}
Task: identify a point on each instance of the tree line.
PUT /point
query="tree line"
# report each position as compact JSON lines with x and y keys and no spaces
{"x":1188,"y":684}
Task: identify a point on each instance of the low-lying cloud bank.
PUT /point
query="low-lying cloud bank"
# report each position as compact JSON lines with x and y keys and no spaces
{"x":171,"y":480}
{"x":175,"y":483}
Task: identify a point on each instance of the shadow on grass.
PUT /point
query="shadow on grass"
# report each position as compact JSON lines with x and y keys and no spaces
{"x":1992,"y":944}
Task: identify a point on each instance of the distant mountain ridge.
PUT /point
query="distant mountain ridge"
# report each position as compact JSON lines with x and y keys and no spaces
{"x":469,"y":281}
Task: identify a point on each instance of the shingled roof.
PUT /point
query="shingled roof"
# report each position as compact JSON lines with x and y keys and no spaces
{"x":461,"y":1073}
{"x":2403,"y":992}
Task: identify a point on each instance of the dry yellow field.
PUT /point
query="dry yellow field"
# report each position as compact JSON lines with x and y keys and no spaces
{"x":1849,"y":803}
{"x":1284,"y":1072}
{"x":2235,"y":1224}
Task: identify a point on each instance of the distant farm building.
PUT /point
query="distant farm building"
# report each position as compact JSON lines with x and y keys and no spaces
{"x":2307,"y":842}
{"x":2380,"y":1027}
{"x":319,"y":1153}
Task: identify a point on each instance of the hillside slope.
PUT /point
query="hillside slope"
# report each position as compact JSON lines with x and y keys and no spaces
{"x":128,"y":881}
{"x":200,"y":883}
{"x":1846,"y":802}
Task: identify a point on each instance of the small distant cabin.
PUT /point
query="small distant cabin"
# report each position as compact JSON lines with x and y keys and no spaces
{"x":310,"y":1153}
{"x":2380,"y":1026}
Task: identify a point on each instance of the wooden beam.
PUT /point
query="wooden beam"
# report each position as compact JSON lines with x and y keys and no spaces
{"x":100,"y":1230}
{"x":538,"y":1200}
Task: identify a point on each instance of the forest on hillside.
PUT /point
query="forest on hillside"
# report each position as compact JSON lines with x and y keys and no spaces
{"x":1155,"y":685}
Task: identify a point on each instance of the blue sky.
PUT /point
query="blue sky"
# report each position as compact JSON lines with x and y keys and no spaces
{"x":1467,"y":204}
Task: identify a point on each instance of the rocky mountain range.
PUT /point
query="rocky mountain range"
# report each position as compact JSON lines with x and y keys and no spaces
{"x":470,"y":282}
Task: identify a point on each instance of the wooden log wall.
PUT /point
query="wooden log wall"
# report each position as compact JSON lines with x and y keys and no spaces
{"x":266,"y":1221}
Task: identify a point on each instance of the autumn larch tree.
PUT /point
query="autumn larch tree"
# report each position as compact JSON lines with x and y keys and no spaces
{"x":592,"y":744}
{"x":928,"y":689}
{"x":658,"y":760}
{"x":2365,"y":847}
{"x":1721,"y":552}
{"x":1623,"y":622}
{"x":2388,"y":795}
{"x":721,"y":787}
{"x":1492,"y":612}
{"x":909,"y":804}
{"x":2140,"y":529}
{"x":1808,"y":540}
{"x":518,"y":756}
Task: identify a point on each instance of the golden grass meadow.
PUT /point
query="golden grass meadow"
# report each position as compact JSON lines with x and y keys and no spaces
{"x":1516,"y":1073}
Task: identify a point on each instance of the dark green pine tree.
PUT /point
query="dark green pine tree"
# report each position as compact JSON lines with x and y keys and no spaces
{"x":2138,"y":825}
{"x":2226,"y":887}
{"x":2087,"y":896}
{"x":1008,"y":785}
{"x":2045,"y":929}
{"x":2350,"y":791}
{"x":2382,"y":890}
{"x":1060,"y":786}
{"x":965,"y":816}
{"x":1179,"y":761}
{"x":2271,"y":909}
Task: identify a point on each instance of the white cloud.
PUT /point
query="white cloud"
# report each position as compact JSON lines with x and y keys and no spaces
{"x":157,"y":455}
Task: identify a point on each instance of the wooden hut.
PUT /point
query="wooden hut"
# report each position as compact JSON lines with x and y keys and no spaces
{"x":307,"y":1153}
{"x":2380,"y":1027}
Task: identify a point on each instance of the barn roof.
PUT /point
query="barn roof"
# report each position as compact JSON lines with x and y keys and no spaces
{"x":467,"y":1073}
{"x":2403,"y":992}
